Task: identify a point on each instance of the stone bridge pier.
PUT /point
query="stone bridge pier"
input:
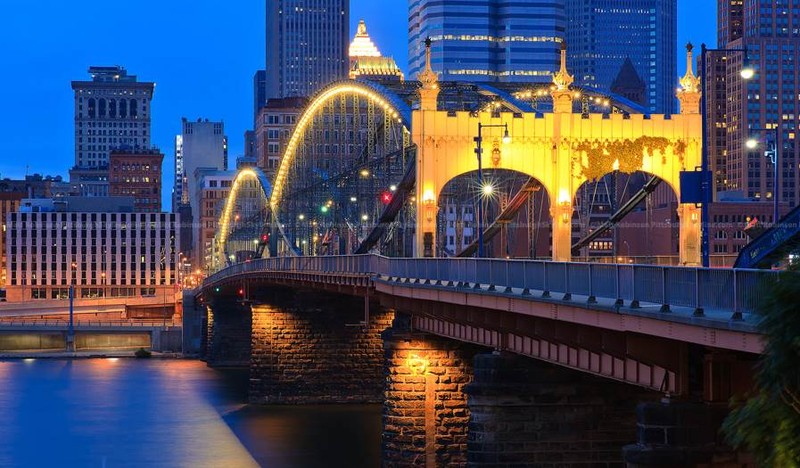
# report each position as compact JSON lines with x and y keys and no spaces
{"x":313,"y":347}
{"x":226,"y":341}
{"x":453,"y":404}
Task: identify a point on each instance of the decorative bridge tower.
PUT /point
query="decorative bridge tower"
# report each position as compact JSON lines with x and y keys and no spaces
{"x":561,"y":150}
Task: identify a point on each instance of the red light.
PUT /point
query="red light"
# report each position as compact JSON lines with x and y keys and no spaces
{"x":264,"y":238}
{"x":241,"y":292}
{"x":386,"y":197}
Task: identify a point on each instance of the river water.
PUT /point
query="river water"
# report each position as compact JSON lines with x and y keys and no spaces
{"x":132,"y":412}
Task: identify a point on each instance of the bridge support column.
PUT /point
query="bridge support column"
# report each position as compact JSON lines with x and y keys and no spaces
{"x":315,"y":348}
{"x":425,"y":416}
{"x":683,"y":433}
{"x":689,"y":248}
{"x":228,"y":334}
{"x":561,"y":213}
{"x":527,"y":413}
{"x":673,"y":433}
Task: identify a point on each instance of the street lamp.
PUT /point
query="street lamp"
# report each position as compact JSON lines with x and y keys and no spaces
{"x":707,"y":184}
{"x":71,"y":329}
{"x":479,"y":153}
{"x":773,"y":153}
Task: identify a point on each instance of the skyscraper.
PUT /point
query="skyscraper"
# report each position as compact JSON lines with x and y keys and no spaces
{"x":202,"y":144}
{"x":487,"y":40}
{"x":259,"y":93}
{"x":111,"y":111}
{"x":770,"y":32}
{"x":602,"y":34}
{"x":306,"y":45}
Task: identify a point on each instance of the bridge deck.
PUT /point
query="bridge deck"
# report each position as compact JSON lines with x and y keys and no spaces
{"x":720,"y":298}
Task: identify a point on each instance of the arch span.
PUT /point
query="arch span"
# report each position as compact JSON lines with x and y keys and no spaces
{"x":223,"y":229}
{"x":393,"y":109}
{"x":378,"y":94}
{"x":511,"y":208}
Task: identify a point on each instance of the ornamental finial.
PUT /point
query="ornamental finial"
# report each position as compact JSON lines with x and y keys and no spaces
{"x":690,"y":83}
{"x":428,"y":77}
{"x":563,"y":79}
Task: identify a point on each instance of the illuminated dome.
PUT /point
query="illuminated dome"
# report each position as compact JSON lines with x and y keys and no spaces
{"x":362,"y":45}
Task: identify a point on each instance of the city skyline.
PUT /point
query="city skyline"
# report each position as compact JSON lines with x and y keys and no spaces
{"x":212,"y":79}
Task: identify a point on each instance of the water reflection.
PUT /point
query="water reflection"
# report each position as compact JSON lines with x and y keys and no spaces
{"x":167,"y":413}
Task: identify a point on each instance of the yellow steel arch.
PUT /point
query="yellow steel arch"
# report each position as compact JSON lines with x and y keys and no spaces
{"x":319,"y":102}
{"x":225,"y":220}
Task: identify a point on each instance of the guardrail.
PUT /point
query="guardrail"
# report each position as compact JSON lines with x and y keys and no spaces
{"x":736,"y":291}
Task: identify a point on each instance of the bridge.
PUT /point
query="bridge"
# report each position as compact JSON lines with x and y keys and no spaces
{"x":344,"y":279}
{"x":688,"y":333}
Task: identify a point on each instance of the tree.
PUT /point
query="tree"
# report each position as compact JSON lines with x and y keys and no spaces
{"x":767,"y":424}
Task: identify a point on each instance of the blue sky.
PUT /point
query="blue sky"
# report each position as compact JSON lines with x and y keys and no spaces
{"x":201,"y":53}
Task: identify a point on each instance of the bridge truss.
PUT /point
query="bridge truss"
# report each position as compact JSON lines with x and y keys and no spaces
{"x":347,"y":176}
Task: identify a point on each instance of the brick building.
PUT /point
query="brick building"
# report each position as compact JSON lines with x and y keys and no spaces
{"x":214,"y":187}
{"x":273,"y":130}
{"x":137,"y":173}
{"x":9,"y":203}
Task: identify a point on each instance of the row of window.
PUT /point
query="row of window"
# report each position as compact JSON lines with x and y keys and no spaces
{"x":91,"y":293}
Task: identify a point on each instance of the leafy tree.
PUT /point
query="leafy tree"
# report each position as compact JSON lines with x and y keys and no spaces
{"x":767,"y":424}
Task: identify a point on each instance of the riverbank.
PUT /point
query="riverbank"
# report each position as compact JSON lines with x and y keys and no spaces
{"x":93,"y":354}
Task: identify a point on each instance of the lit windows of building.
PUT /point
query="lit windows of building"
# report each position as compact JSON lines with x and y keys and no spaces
{"x":137,"y":174}
{"x":306,"y":45}
{"x":493,"y":40}
{"x":97,"y":245}
{"x":274,"y":128}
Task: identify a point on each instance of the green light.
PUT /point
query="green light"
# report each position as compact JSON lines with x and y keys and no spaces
{"x":323,"y":209}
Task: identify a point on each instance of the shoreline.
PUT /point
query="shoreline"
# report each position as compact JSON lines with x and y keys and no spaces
{"x":21,"y":355}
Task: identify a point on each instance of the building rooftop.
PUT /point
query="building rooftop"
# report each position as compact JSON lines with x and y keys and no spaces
{"x":136,"y":151}
{"x":111,"y":74}
{"x":77,"y":205}
{"x":294,"y":102}
{"x":366,"y":60}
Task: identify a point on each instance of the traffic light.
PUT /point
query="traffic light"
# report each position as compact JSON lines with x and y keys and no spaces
{"x":386,"y":197}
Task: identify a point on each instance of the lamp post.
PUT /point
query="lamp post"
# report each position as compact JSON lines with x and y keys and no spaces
{"x":479,"y":154}
{"x":773,"y":153}
{"x":707,"y":184}
{"x":71,"y":329}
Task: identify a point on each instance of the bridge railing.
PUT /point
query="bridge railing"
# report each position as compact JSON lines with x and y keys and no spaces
{"x":735,"y":291}
{"x":345,"y":264}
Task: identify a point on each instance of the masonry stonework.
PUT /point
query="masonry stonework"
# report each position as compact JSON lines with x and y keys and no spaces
{"x":676,"y":433}
{"x":228,"y":334}
{"x":425,"y":415}
{"x":312,"y":348}
{"x":526,"y":413}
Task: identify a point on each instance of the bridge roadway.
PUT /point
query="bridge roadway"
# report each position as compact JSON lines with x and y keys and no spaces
{"x":571,"y":314}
